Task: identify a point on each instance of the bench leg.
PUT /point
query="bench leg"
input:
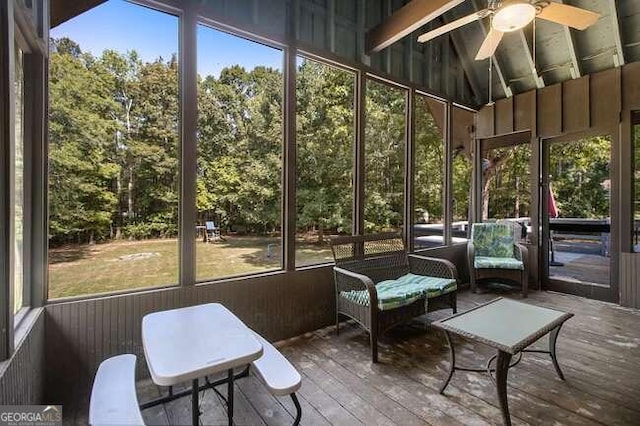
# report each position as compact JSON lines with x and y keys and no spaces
{"x":296,"y":422}
{"x":454,"y":302}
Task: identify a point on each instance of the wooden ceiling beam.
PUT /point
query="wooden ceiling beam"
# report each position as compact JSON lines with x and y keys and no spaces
{"x":63,"y":10}
{"x":406,"y":20}
{"x":571,"y":44}
{"x":539,"y":82}
{"x":618,"y":58}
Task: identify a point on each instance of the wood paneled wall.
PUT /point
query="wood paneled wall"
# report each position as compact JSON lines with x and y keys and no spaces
{"x":22,"y":375}
{"x":596,"y":103}
{"x":81,"y":334}
{"x":630,"y":279}
{"x":590,"y":102}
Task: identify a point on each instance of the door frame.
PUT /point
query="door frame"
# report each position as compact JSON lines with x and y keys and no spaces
{"x":591,"y":291}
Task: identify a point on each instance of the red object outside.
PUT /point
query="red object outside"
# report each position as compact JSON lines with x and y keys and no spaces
{"x":551,"y":204}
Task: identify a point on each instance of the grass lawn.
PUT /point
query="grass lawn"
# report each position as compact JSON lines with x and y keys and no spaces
{"x":121,"y":265}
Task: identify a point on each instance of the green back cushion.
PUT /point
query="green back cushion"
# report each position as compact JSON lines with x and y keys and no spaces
{"x":492,"y":239}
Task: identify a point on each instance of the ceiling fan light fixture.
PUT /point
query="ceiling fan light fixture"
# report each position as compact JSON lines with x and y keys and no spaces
{"x":513,"y":16}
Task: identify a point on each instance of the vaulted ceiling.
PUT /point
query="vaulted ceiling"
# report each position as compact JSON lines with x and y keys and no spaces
{"x":561,"y":53}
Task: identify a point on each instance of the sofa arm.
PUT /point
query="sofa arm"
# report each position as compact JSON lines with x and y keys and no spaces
{"x":521,"y":253}
{"x":431,"y":266}
{"x":348,"y":280}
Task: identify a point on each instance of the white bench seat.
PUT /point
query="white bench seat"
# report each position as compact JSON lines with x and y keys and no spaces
{"x":113,"y":396}
{"x":278,"y":375}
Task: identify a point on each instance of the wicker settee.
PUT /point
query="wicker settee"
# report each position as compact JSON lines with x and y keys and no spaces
{"x":380,"y":285}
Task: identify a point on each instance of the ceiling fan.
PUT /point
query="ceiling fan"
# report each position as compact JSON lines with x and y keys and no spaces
{"x":512,"y":15}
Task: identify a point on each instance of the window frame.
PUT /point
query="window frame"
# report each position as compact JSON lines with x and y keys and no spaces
{"x":444,"y":137}
{"x":354,"y":72}
{"x":635,"y":197}
{"x":204,"y":21}
{"x":189,"y":17}
{"x":22,"y":28}
{"x":407,"y":155}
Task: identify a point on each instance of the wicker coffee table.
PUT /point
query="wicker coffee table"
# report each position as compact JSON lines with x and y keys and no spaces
{"x":509,"y":327}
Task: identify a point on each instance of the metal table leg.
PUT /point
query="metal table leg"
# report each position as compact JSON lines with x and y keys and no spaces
{"x":502,"y":371}
{"x":553,"y":336}
{"x":230,"y":396}
{"x":452,"y":364}
{"x":195,"y":403}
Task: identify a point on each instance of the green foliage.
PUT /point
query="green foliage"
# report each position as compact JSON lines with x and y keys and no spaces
{"x":113,"y":145}
{"x":429,"y":163}
{"x":114,"y":153}
{"x":384,"y":157}
{"x":508,"y":182}
{"x":325,"y":134}
{"x":580,"y":176}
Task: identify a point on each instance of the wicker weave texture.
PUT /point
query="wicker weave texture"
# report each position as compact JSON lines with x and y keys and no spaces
{"x":364,"y":261}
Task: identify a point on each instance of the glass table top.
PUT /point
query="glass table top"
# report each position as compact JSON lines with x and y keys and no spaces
{"x":506,"y":324}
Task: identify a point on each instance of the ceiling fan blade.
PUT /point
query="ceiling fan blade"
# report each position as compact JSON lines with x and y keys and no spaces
{"x":453,"y":25}
{"x":406,"y":20}
{"x":571,"y":16}
{"x":489,"y":45}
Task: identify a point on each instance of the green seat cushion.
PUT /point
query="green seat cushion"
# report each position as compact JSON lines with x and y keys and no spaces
{"x":492,"y":239}
{"x":482,"y":262}
{"x":403,"y":290}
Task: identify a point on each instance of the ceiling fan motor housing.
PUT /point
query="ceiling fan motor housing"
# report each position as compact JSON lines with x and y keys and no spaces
{"x":512,"y":15}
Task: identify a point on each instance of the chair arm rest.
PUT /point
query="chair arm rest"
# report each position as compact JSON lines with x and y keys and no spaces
{"x":431,"y":266}
{"x":521,"y":253}
{"x":471,"y":255}
{"x":348,"y":280}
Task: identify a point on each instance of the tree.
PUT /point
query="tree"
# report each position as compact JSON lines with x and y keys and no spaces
{"x":80,"y":136}
{"x":325,"y":116}
{"x":384,"y":157}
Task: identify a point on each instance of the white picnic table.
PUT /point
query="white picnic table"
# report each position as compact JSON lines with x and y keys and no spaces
{"x":191,"y":343}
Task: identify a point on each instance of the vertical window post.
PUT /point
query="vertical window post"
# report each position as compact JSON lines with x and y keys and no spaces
{"x":188,"y":90}
{"x":6,"y":138}
{"x":409,"y":160}
{"x":358,"y":147}
{"x":289,"y":157}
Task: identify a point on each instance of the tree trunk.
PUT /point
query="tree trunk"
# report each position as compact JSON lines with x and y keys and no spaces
{"x":320,"y":233}
{"x":130,"y":195}
{"x":517,"y":206}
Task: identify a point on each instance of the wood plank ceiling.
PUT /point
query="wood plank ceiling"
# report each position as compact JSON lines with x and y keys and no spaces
{"x":561,"y":53}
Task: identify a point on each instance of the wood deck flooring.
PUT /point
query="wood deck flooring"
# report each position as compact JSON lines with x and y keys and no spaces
{"x":598,"y":350}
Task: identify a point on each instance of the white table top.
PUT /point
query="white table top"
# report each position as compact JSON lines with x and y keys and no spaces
{"x":188,"y":343}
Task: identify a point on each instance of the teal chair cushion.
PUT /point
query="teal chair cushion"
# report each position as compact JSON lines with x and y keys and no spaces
{"x":403,"y":290}
{"x":481,"y":262}
{"x":492,"y":240}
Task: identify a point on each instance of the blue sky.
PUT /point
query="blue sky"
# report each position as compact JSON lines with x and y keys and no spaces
{"x":123,"y":26}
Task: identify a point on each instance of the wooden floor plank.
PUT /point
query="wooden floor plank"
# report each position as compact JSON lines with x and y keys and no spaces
{"x":386,"y":378}
{"x":598,"y":350}
{"x":361,"y":387}
{"x":266,"y":405}
{"x":328,"y":407}
{"x":359,"y":407}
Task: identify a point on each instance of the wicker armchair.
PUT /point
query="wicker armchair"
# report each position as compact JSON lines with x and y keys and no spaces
{"x":493,"y":253}
{"x":379,"y":285}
